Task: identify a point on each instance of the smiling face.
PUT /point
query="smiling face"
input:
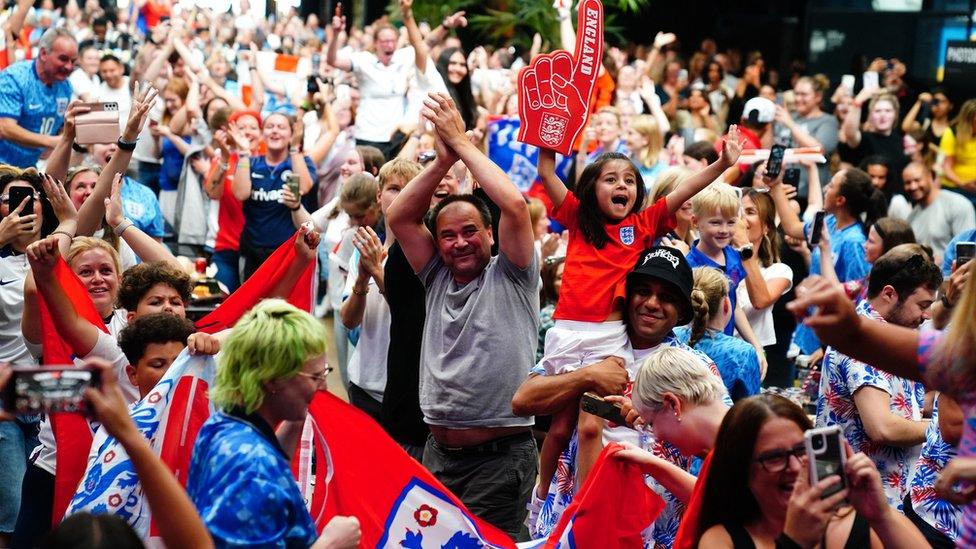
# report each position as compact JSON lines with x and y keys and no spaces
{"x":277,"y":132}
{"x":652,"y":311}
{"x":56,"y":65}
{"x":89,"y":61}
{"x":386,"y":41}
{"x":82,"y":186}
{"x":457,"y":68}
{"x":352,"y":165}
{"x":805,"y":97}
{"x":96,"y":269}
{"x":918,"y":183}
{"x":449,"y":185}
{"x":616,"y":189}
{"x":172,"y":101}
{"x":463,"y":240}
{"x":716,"y":230}
{"x":773,"y":490}
{"x":111,"y":72}
{"x":755,"y":228}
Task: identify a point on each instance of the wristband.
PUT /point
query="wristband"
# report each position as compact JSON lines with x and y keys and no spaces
{"x":294,"y":150}
{"x":126,"y":146}
{"x":121,"y":227}
{"x":786,"y":542}
{"x":65,"y":233}
{"x":296,"y":208}
{"x":78,"y":148}
{"x":360,"y":292}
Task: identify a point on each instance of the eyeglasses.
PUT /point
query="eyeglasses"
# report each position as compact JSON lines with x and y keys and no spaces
{"x":777,"y":461}
{"x":319,"y":377}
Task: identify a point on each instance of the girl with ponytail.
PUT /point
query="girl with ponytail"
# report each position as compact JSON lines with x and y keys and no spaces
{"x":852,"y":204}
{"x":737,"y":361}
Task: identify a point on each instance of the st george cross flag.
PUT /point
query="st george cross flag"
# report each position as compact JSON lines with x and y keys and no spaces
{"x":169,"y":417}
{"x":406,"y":507}
{"x":259,"y":286}
{"x":71,"y":431}
{"x":361,"y":471}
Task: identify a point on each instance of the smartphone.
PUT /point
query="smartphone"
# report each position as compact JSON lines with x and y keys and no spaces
{"x":817,"y":230}
{"x":312,"y":86}
{"x":292,"y":182}
{"x":316,"y":62}
{"x":16,"y":195}
{"x":48,"y":389}
{"x":683,"y":74}
{"x":870,"y":80}
{"x":775,"y":162}
{"x":825,"y":454}
{"x":964,"y":252}
{"x":593,"y":404}
{"x":111,"y":106}
{"x":791,"y":176}
{"x":848,"y":81}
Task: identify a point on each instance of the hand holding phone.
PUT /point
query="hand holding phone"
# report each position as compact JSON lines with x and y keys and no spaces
{"x":965,"y":251}
{"x":775,"y":163}
{"x":16,"y":195}
{"x":826,"y":457}
{"x":791,"y":176}
{"x":593,"y":404}
{"x":49,"y":389}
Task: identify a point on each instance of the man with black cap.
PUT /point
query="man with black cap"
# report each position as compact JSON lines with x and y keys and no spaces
{"x":658,"y":299}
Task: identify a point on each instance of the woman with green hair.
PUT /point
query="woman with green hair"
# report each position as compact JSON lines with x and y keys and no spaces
{"x":240,"y":480}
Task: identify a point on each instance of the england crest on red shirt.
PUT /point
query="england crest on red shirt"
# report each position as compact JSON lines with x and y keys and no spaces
{"x":627,"y":235}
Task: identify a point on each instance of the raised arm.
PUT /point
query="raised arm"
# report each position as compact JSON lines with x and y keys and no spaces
{"x":420,"y":51}
{"x":241,"y":185}
{"x":555,"y":188}
{"x":93,"y":210}
{"x":338,"y":27}
{"x":790,"y":222}
{"x":453,"y":21}
{"x":77,"y":332}
{"x":146,"y":248}
{"x":305,"y":245}
{"x":16,"y":21}
{"x":515,"y":240}
{"x":406,"y":213}
{"x":694,"y":184}
{"x":851,"y":128}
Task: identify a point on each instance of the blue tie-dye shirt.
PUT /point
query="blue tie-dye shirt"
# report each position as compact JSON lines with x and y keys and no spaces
{"x":243,"y":488}
{"x":34,"y":105}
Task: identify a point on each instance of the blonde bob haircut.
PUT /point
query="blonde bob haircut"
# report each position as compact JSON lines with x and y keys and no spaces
{"x":717,"y":198}
{"x":272,"y":341}
{"x":678,"y":371}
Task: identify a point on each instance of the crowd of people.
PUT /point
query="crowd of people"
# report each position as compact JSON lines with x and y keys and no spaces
{"x":725,"y":306}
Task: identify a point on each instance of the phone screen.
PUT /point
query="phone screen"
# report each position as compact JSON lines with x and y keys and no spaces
{"x":965,"y":251}
{"x":817,"y":230}
{"x":775,"y":162}
{"x":16,"y":195}
{"x":292,"y":182}
{"x":49,"y":389}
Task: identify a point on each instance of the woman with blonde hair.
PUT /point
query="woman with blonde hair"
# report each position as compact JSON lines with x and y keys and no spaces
{"x":881,"y":135}
{"x":645,"y":141}
{"x":683,"y":232}
{"x":737,"y":361}
{"x":958,"y":145}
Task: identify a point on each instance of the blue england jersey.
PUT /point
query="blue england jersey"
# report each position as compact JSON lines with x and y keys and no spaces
{"x":35,"y":106}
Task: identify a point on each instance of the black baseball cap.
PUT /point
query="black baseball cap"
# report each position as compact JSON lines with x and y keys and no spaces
{"x":670,"y":266}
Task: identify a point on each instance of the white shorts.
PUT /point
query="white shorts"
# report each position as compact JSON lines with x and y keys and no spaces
{"x":571,"y":344}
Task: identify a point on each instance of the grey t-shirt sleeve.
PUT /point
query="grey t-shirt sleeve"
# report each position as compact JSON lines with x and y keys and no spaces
{"x":428,"y":274}
{"x":529,"y":276}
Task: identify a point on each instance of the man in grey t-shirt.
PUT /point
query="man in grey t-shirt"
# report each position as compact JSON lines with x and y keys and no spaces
{"x":936,"y":216}
{"x":482,"y":323}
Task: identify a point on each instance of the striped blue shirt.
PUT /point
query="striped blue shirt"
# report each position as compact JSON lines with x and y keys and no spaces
{"x":35,"y":106}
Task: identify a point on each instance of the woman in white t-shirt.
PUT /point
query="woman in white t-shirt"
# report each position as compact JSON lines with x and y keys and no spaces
{"x":766,"y":278}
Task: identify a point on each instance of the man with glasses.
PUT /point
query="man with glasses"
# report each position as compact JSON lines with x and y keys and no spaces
{"x":34,"y":96}
{"x":881,"y":414}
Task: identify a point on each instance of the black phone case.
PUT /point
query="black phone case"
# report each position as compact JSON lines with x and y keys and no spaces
{"x":602,"y":408}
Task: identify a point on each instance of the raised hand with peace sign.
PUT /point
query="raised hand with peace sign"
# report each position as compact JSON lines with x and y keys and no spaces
{"x":555,"y":89}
